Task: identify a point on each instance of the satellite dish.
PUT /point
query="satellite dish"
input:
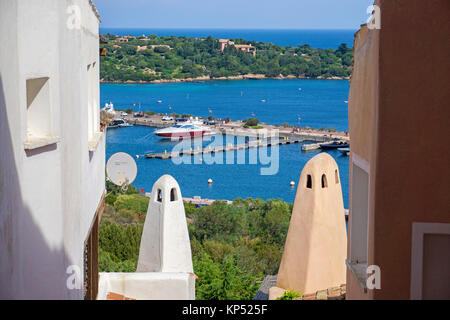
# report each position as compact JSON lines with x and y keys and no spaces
{"x":121,"y":169}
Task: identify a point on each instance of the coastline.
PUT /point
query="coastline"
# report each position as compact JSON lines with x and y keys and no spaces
{"x":239,"y":77}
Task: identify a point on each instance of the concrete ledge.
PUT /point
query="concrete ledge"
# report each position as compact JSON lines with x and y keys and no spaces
{"x":39,"y":142}
{"x":147,"y":285}
{"x":359,"y":271}
{"x":94,"y":141}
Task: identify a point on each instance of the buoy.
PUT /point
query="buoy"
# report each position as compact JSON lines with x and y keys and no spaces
{"x":292,"y":183}
{"x":137,"y":156}
{"x":210,"y":181}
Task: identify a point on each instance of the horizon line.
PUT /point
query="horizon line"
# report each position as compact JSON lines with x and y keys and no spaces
{"x":234,"y":28}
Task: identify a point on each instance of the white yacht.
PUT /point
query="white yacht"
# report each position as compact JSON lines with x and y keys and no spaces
{"x":184,"y":130}
{"x":118,"y":123}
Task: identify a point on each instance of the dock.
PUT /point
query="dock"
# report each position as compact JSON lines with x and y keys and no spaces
{"x":313,"y":146}
{"x":230,"y":147}
{"x":198,"y":201}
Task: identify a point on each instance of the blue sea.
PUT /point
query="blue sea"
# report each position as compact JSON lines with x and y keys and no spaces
{"x":323,"y":39}
{"x":315,"y":103}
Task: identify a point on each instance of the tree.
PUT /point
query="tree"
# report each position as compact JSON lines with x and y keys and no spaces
{"x":251,"y":122}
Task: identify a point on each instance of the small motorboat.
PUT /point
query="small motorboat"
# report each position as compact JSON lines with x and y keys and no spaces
{"x":344,"y":151}
{"x":118,"y":123}
{"x":334,"y":145}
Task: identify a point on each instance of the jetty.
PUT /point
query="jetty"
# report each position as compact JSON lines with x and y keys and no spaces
{"x":268,"y":135}
{"x":313,"y":146}
{"x":198,"y":201}
{"x":229,"y":147}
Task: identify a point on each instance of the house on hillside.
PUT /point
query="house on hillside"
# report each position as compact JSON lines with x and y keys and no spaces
{"x":243,"y":47}
{"x":121,"y":40}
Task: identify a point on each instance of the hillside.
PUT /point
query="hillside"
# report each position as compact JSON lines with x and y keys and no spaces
{"x":164,"y":59}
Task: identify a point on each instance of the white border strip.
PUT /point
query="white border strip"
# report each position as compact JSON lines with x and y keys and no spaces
{"x":419,"y":229}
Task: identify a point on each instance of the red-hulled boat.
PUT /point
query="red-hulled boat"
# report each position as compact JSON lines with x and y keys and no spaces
{"x":184,"y":130}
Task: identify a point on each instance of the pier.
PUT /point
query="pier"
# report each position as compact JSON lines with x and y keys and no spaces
{"x":198,"y":201}
{"x":230,"y":147}
{"x":286,"y":135}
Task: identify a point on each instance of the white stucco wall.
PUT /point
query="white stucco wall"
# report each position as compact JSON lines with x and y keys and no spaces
{"x":148,"y":285}
{"x":48,"y":195}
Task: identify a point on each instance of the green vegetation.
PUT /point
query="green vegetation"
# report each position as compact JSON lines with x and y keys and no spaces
{"x":233,"y":246}
{"x":191,"y":58}
{"x":251,"y":122}
{"x":290,"y":295}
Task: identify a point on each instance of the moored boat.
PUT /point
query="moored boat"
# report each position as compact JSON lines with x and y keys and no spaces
{"x":334,"y":145}
{"x":344,"y":151}
{"x":184,"y":130}
{"x":118,"y":123}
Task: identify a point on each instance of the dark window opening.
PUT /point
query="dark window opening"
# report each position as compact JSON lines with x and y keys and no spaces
{"x":336,"y":175}
{"x":173,"y":194}
{"x":309,"y":182}
{"x":159,"y":196}
{"x":324,"y":181}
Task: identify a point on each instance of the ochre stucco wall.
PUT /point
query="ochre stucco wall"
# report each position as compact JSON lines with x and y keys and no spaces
{"x":362,"y":113}
{"x":408,"y":153}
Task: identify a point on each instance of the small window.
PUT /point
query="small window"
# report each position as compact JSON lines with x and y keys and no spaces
{"x":309,"y":182}
{"x":159,"y":196}
{"x":336,"y":176}
{"x":359,"y":213}
{"x":173,"y":194}
{"x":92,"y":100}
{"x":38,"y":107}
{"x":324,"y":181}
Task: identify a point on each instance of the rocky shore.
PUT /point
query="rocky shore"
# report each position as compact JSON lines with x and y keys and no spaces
{"x":239,"y":77}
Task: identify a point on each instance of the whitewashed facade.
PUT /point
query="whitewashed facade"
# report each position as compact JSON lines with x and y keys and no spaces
{"x":52,"y":161}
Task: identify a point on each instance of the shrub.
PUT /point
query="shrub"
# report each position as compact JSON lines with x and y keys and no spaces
{"x":251,"y":122}
{"x":134,"y":202}
{"x":290,"y":295}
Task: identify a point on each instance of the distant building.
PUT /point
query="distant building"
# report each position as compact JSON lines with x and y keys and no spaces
{"x":243,"y":47}
{"x":153,"y":46}
{"x":52,"y":180}
{"x":141,"y":48}
{"x":399,"y":219}
{"x":121,"y":40}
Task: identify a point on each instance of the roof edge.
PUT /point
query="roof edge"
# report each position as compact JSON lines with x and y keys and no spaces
{"x":94,"y":9}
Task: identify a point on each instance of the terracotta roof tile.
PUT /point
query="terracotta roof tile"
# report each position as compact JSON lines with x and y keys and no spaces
{"x":116,"y":296}
{"x":333,"y":293}
{"x":322,"y":295}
